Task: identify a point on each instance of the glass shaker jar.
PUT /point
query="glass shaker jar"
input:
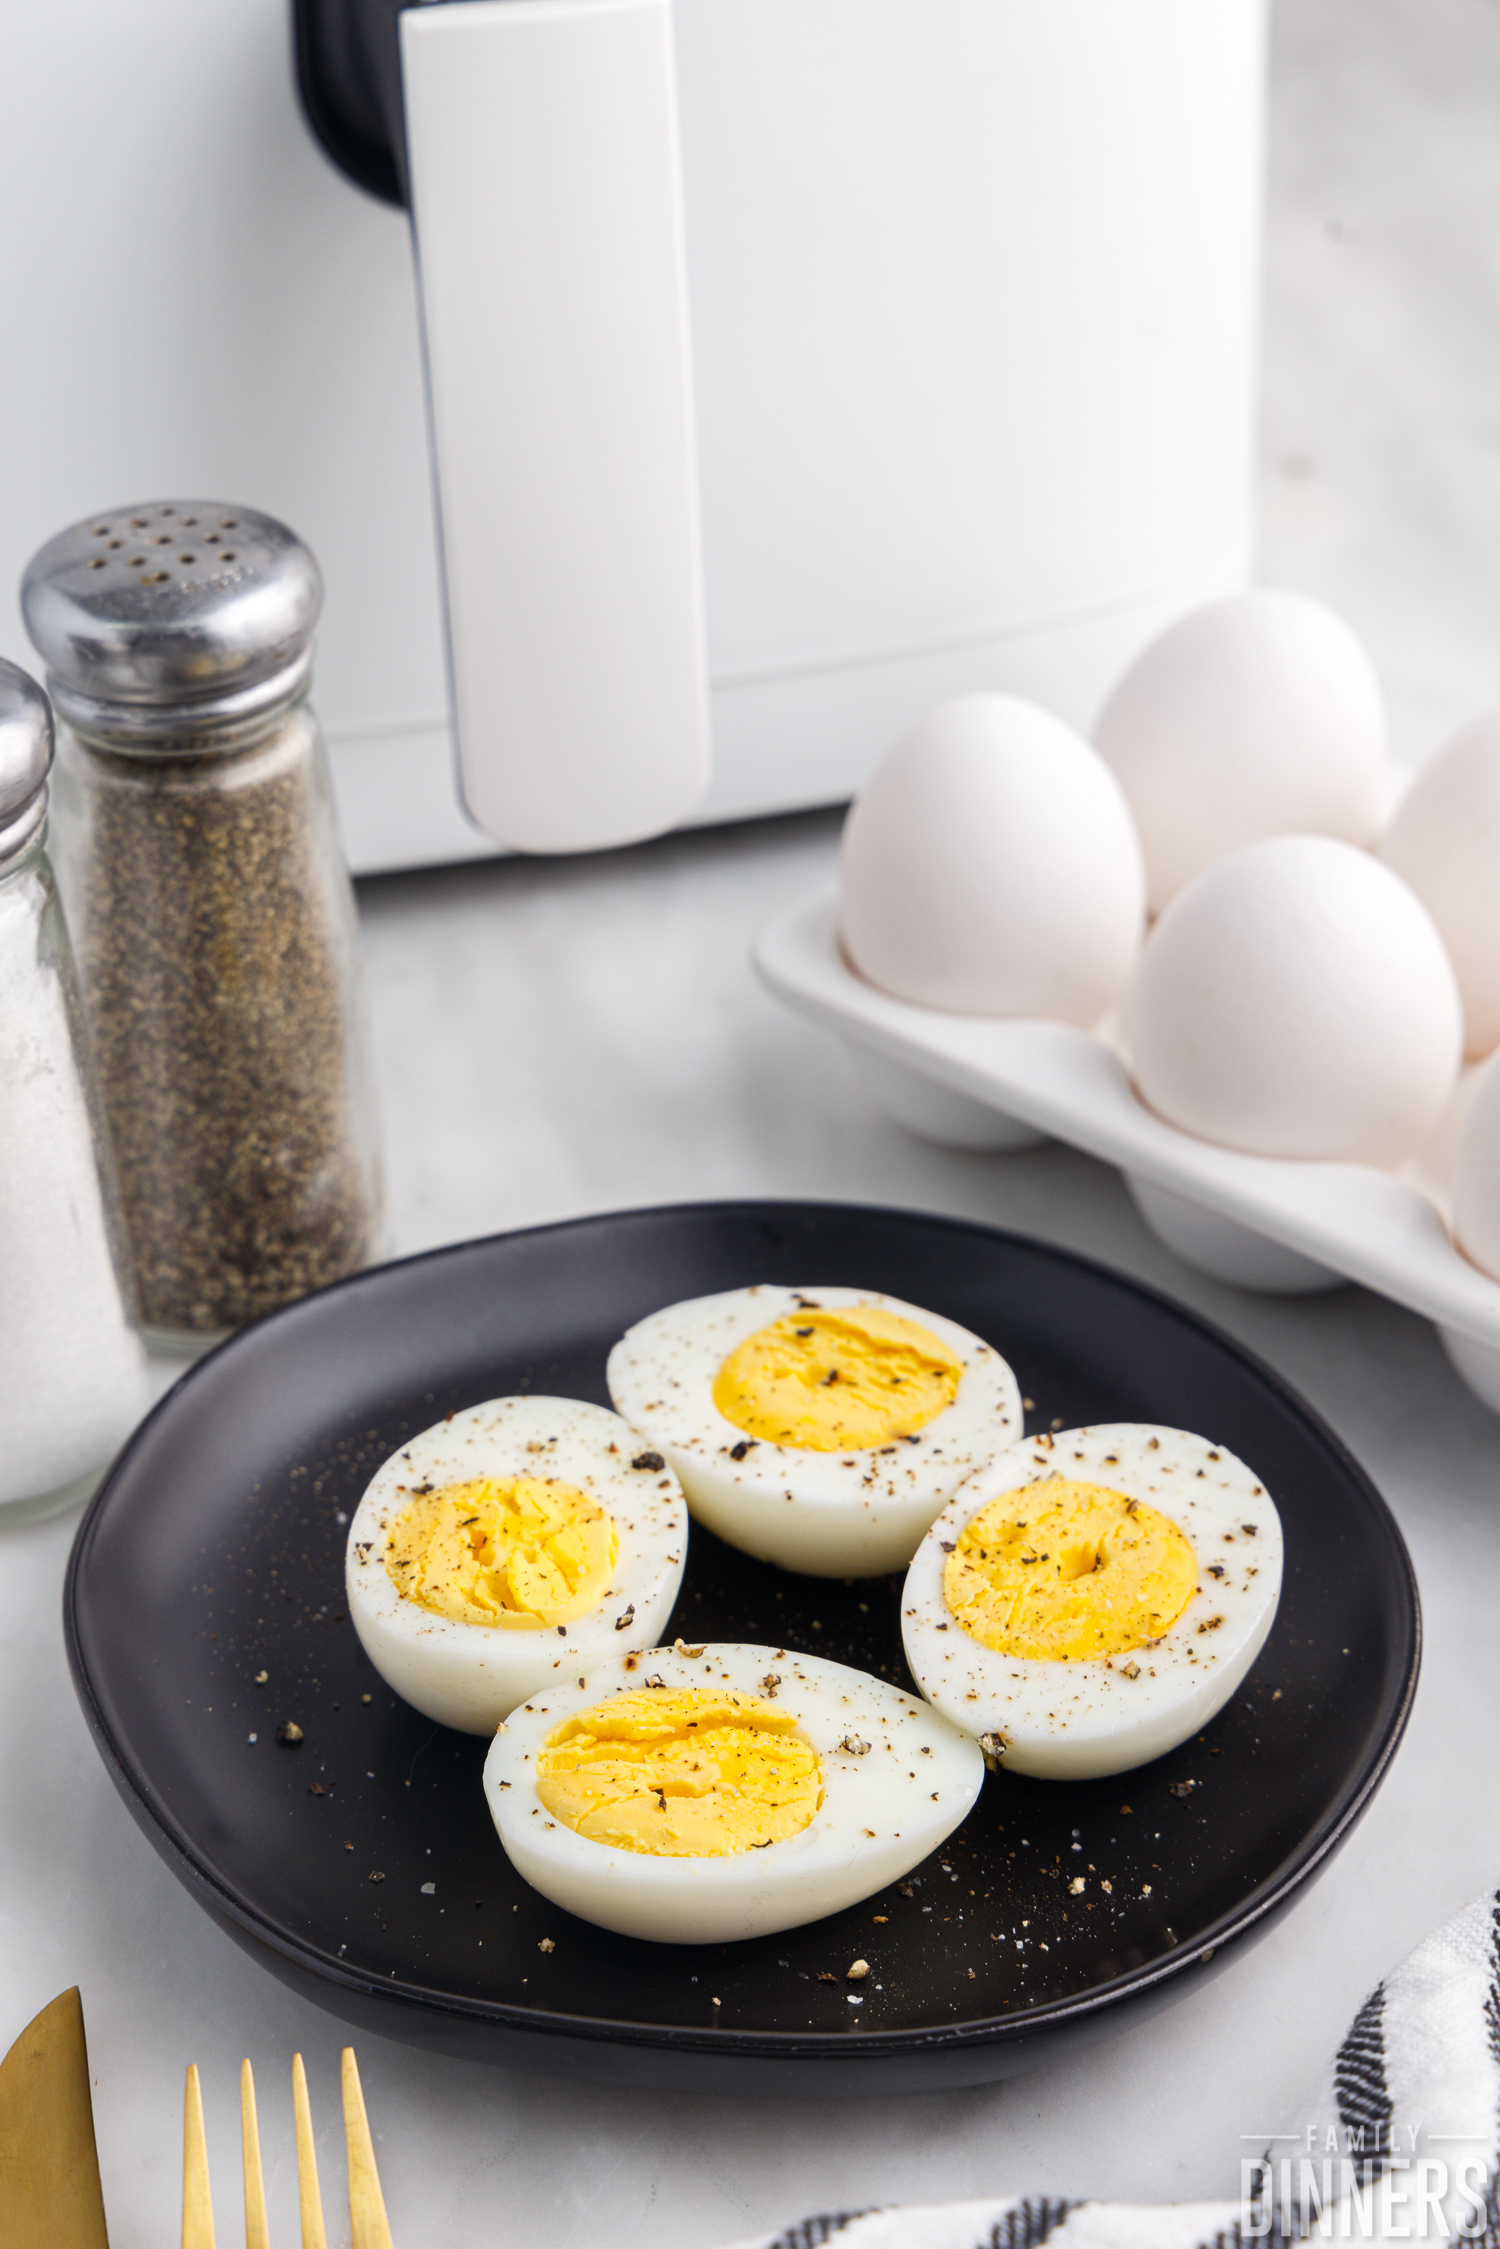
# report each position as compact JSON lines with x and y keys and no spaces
{"x":72,"y":1367}
{"x":209,"y":903}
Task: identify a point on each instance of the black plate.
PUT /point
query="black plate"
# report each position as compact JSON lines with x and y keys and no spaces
{"x":214,"y":1552}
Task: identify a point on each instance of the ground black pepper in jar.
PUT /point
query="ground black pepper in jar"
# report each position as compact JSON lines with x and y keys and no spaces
{"x":212,"y":914}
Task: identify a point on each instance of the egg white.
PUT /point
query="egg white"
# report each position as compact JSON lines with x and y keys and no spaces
{"x":829,"y":1514}
{"x":883,"y":1810}
{"x":469,"y":1675}
{"x":1080,"y":1718}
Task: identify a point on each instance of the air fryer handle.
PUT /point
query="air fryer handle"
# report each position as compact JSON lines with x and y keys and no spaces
{"x":542,"y":164}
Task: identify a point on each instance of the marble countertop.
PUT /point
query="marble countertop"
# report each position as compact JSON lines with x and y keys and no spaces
{"x":554,"y":1038}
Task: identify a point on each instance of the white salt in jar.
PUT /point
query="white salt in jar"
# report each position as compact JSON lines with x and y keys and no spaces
{"x":72,"y":1366}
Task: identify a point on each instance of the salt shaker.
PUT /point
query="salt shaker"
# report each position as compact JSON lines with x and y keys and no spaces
{"x":212,"y":912}
{"x":72,"y":1366}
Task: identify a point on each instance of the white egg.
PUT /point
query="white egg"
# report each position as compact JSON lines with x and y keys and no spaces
{"x":843,"y":1511}
{"x":893,"y":1780}
{"x":1296,"y":1000}
{"x":1444,"y":840}
{"x":468,"y":1674}
{"x":1079,"y":1717}
{"x":1260,"y":715}
{"x":991,"y":867}
{"x":1475,"y":1184}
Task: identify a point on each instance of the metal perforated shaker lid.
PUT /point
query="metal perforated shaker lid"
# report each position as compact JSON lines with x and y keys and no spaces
{"x":172,"y":612}
{"x":25,"y":758}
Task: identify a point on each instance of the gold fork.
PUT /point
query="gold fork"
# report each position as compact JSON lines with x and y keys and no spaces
{"x":366,"y":2203}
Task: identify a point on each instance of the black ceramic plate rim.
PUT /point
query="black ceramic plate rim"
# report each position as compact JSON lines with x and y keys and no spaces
{"x":1017,"y":2025}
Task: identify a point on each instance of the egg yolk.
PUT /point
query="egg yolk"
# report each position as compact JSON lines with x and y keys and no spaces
{"x":837,"y":1381}
{"x":517,"y":1551}
{"x":1065,"y":1570}
{"x":681,"y":1773}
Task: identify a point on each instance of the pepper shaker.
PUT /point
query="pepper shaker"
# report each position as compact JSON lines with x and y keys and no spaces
{"x":72,"y":1366}
{"x":213,"y":915}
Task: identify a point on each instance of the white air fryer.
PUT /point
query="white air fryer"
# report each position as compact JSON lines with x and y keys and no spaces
{"x":788,"y":365}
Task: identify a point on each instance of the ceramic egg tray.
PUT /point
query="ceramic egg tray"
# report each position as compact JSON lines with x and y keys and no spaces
{"x":1259,"y":1222}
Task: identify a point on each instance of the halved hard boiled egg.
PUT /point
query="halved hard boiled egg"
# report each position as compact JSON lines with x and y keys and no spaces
{"x":699,"y":1795}
{"x":1092,"y":1599}
{"x":819,"y":1428}
{"x":510,"y":1540}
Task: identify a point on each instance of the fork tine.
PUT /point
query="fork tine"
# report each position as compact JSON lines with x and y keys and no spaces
{"x":313,"y":2235}
{"x":197,"y":2204}
{"x":257,"y":2234}
{"x":367,"y":2217}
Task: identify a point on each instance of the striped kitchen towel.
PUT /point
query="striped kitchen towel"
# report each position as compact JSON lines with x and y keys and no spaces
{"x":1400,"y":2141}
